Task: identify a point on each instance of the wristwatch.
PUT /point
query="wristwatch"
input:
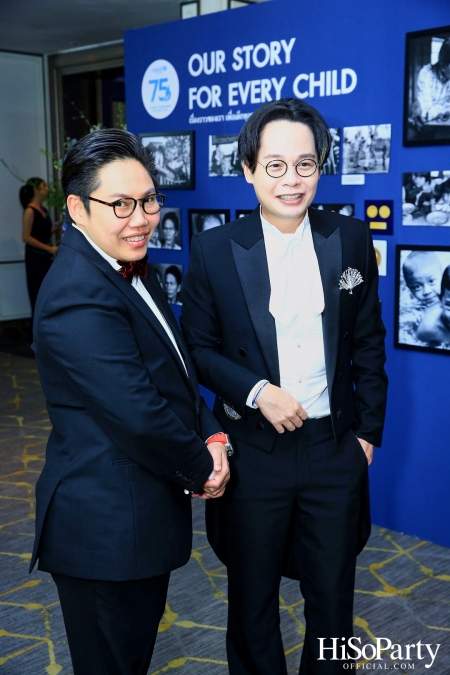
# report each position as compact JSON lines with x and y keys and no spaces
{"x":221,"y":438}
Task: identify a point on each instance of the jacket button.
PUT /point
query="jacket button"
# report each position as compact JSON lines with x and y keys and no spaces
{"x":345,"y":336}
{"x":242,"y":351}
{"x":338,"y":413}
{"x":260,"y":425}
{"x":340,"y":376}
{"x":197,"y":410}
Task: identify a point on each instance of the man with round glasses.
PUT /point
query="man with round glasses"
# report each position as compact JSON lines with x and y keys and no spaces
{"x":282,"y":318}
{"x":131,"y":438}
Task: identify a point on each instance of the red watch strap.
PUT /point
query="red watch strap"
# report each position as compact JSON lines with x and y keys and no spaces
{"x":217,"y":438}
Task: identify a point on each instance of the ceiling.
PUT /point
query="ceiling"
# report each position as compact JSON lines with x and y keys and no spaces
{"x":51,"y":26}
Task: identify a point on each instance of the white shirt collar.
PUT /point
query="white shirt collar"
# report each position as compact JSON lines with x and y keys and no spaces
{"x":104,"y":255}
{"x":293,"y":265}
{"x":271,"y":230}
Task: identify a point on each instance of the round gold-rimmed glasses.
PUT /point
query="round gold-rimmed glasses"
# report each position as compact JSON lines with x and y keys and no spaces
{"x":278,"y":167}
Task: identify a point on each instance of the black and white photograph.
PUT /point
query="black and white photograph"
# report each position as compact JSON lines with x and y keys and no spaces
{"x":366,"y":149}
{"x":240,"y":213}
{"x":167,"y":234}
{"x":223,"y":156}
{"x":331,"y":166}
{"x":174,"y":158}
{"x":380,"y":246}
{"x":423,"y":298}
{"x":427,"y":87}
{"x":204,"y":219}
{"x":170,"y":278}
{"x":426,"y":198}
{"x":343,"y":209}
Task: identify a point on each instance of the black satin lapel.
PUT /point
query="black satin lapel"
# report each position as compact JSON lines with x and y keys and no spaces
{"x":152,"y":285}
{"x":76,"y":240}
{"x":251,"y":265}
{"x":329,"y":256}
{"x":134,"y":297}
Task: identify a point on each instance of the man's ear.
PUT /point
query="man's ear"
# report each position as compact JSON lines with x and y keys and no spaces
{"x":247,"y":173}
{"x":77,"y":210}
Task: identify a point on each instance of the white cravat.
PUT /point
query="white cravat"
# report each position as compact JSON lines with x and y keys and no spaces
{"x":140,"y":288}
{"x":297,"y":303}
{"x":294,"y":272}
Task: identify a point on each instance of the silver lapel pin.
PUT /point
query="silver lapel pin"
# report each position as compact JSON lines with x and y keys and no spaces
{"x":349,"y":279}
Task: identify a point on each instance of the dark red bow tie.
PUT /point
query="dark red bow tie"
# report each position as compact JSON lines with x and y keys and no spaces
{"x":129,"y":269}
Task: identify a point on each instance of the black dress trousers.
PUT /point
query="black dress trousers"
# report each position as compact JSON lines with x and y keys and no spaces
{"x":304,"y":499}
{"x":111,"y":626}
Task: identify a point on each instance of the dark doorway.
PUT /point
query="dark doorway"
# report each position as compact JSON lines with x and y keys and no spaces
{"x":93,"y":100}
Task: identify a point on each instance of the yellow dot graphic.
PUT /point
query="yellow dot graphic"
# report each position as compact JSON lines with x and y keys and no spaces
{"x":372,"y":211}
{"x":385,"y":211}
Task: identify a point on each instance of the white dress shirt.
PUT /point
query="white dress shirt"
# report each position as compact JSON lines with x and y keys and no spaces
{"x":140,"y":288}
{"x":297,"y":303}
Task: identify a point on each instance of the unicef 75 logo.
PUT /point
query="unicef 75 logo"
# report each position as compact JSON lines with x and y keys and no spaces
{"x":161,"y":86}
{"x":160,"y":94}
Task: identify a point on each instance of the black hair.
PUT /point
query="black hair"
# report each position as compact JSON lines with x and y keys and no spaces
{"x":292,"y":110}
{"x":445,"y":283}
{"x":173,"y":269}
{"x":90,"y":154}
{"x":444,"y":53}
{"x":26,"y":192}
{"x":171,"y":215}
{"x":442,"y":188}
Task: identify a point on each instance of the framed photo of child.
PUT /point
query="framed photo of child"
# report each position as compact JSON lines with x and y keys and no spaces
{"x":422,"y":308}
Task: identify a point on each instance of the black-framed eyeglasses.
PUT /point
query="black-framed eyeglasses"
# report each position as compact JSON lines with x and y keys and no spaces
{"x":278,"y":167}
{"x":124,"y":207}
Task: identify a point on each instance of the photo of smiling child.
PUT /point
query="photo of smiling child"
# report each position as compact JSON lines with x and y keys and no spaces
{"x":435,"y":325}
{"x":423,"y":310}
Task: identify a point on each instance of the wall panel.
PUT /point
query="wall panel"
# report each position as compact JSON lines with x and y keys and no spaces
{"x":411,"y":472}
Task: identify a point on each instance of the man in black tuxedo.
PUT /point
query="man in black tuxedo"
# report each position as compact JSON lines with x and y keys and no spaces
{"x":127,"y":447}
{"x":282,"y":318}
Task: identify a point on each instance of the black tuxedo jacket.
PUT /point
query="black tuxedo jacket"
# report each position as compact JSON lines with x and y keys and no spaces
{"x":232,"y":335}
{"x":128,"y":424}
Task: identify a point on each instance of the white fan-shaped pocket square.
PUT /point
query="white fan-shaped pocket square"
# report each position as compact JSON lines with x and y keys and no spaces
{"x":350,"y":279}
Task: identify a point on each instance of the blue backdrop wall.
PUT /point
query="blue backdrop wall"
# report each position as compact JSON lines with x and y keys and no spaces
{"x":410,"y":476}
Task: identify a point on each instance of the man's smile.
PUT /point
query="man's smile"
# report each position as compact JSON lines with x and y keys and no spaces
{"x":137,"y":241}
{"x":290,"y":198}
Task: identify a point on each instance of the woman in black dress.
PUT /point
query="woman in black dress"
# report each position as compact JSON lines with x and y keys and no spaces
{"x":36,"y":233}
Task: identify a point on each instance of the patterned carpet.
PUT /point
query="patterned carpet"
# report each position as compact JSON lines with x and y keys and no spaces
{"x":403,"y":584}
